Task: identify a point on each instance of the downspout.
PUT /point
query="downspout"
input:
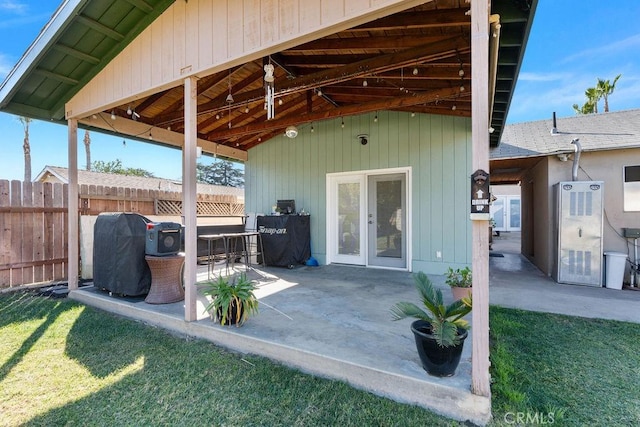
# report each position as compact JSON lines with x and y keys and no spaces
{"x":576,"y":159}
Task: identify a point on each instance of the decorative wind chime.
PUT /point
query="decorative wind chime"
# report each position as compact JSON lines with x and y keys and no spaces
{"x":269,"y":98}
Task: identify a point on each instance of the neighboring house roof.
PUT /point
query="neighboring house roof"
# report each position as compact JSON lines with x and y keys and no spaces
{"x":130,"y":181}
{"x":596,"y":132}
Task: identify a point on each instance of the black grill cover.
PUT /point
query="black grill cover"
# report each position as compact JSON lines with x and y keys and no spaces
{"x":118,"y":254}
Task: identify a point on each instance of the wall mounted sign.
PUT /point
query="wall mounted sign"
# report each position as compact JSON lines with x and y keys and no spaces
{"x":480,"y":196}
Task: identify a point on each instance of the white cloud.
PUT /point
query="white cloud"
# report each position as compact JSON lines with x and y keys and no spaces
{"x":13,"y":6}
{"x":624,"y":46}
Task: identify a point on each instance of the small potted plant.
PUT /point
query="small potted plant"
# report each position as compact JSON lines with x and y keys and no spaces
{"x":440,"y":330}
{"x":460,"y":282}
{"x":232,"y":302}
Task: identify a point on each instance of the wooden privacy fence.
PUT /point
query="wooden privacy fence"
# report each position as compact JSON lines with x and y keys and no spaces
{"x":95,"y":199}
{"x":33,"y":222}
{"x":33,"y":227}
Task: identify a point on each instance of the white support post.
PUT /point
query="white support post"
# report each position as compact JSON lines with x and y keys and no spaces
{"x":189,"y":152}
{"x":480,"y":160}
{"x":72,"y":227}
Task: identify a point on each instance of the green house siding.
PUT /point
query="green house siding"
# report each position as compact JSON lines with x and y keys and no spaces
{"x":437,"y":148}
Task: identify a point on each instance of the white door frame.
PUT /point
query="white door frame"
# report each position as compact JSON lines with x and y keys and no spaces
{"x":332,"y":179}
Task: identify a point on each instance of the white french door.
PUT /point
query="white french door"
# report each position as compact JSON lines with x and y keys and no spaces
{"x":346,"y":220}
{"x":367,"y":218}
{"x":505,"y":211}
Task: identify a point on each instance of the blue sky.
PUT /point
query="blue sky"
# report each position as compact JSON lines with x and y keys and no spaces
{"x":572,"y":43}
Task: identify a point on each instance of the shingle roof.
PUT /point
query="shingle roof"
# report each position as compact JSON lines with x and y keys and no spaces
{"x":603,"y":131}
{"x":130,"y":181}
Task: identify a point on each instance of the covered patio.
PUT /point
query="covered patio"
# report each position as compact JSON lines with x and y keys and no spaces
{"x":332,"y":321}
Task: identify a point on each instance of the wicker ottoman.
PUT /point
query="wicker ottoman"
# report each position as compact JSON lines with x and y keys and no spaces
{"x":166,"y":283}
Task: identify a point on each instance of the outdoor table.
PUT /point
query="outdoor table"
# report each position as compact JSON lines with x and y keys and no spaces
{"x":166,"y":283}
{"x":236,"y":245}
{"x":211,"y":239}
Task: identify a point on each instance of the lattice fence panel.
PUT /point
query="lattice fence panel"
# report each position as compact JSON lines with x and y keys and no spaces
{"x":168,"y":207}
{"x":203,"y":208}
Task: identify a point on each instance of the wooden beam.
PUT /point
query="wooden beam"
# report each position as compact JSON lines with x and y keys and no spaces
{"x":76,"y":54}
{"x":350,"y":110}
{"x":127,"y":127}
{"x":374,"y":43}
{"x":102,"y":29}
{"x":426,"y":19}
{"x":480,"y":379}
{"x":58,"y":77}
{"x":142,"y":5}
{"x":451,"y":47}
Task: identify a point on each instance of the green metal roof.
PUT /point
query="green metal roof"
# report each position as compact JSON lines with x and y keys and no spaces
{"x":81,"y":38}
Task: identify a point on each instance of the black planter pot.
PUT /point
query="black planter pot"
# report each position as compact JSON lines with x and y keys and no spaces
{"x":232,"y":317}
{"x":437,"y":361}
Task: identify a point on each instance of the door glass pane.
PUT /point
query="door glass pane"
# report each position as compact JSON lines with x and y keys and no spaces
{"x":497,"y":212}
{"x":514,"y":213}
{"x":390,"y":218}
{"x":349,"y":218}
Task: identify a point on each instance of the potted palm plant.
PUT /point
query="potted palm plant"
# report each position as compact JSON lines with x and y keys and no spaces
{"x":439,"y":330}
{"x":460,"y":281}
{"x":232,"y":302}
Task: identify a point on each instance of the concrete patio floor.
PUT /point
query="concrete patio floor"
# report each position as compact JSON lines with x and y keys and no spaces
{"x":333,"y":321}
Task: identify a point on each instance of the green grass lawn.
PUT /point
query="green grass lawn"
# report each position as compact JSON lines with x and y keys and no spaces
{"x":569,"y":370}
{"x":62,"y":363}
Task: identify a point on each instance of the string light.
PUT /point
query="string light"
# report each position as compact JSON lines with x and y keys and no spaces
{"x":415,"y":71}
{"x":413,"y":114}
{"x":280,"y":101}
{"x":375,"y":119}
{"x":319,"y":92}
{"x":342,"y":124}
{"x":312,"y":129}
{"x":364,"y":83}
{"x":113,"y":114}
{"x":246,"y":109}
{"x":453,"y":108}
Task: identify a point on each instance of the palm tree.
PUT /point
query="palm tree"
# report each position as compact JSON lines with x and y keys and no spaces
{"x":593,"y":97}
{"x":591,"y":104}
{"x":87,"y":148}
{"x":26,"y":147}
{"x":604,"y":89}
